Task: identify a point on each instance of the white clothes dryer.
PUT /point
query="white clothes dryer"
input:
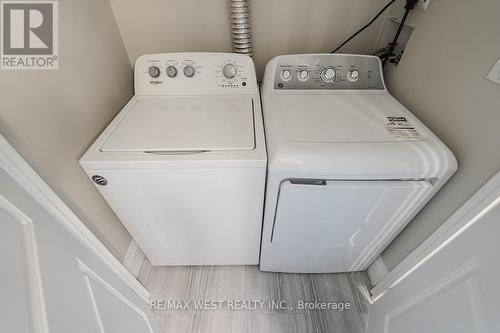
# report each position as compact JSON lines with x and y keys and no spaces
{"x":183,"y":164}
{"x":349,"y":166}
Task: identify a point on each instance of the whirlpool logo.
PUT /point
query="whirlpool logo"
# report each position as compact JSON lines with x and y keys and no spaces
{"x":29,"y":35}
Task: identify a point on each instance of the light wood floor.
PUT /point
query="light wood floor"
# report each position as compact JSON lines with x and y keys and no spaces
{"x":233,"y":284}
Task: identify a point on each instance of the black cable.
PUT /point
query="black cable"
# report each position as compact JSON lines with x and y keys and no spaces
{"x":392,"y":45}
{"x":366,"y":26}
{"x":410,"y":4}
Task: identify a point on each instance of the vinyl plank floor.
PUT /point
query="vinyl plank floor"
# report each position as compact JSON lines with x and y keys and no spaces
{"x":230,"y":287}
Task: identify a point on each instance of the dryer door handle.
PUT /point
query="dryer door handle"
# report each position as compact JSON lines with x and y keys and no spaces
{"x":300,"y":181}
{"x":176,"y":152}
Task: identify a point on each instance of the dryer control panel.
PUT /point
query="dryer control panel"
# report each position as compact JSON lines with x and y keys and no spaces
{"x":328,"y":72}
{"x":194,"y":73}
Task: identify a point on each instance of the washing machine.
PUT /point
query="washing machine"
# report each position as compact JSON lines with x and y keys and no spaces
{"x":348,"y":165}
{"x":183,"y":164}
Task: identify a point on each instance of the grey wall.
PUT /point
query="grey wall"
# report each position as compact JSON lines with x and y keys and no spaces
{"x":441,"y":79}
{"x":51,"y":117}
{"x":279,"y":26}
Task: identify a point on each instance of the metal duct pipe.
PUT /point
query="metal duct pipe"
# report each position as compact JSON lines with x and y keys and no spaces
{"x":242,"y":32}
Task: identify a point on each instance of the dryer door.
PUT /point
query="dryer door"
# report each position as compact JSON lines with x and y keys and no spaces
{"x":344,"y":224}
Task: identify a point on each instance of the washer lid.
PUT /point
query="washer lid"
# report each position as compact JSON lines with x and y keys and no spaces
{"x":184,"y":124}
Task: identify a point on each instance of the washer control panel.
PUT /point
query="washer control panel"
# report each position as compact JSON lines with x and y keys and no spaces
{"x":194,"y":73}
{"x":328,"y":72}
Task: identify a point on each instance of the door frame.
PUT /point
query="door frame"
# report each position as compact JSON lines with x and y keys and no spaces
{"x":15,"y":165}
{"x":485,"y":199}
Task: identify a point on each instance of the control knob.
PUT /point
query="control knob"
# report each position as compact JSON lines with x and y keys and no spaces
{"x":286,"y":75}
{"x":229,"y":71}
{"x":327,"y":75}
{"x":188,"y":71}
{"x":171,"y":71}
{"x":154,"y":71}
{"x":353,"y":75}
{"x":303,"y":75}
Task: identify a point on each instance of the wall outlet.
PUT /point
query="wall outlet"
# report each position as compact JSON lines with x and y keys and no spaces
{"x":423,"y":4}
{"x":494,"y":74}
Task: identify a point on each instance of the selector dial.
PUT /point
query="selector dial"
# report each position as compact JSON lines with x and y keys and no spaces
{"x":171,"y":71}
{"x":188,"y":71}
{"x":303,"y":75}
{"x":327,"y":75}
{"x":154,"y":71}
{"x":229,"y":71}
{"x":353,"y":75}
{"x":286,"y":75}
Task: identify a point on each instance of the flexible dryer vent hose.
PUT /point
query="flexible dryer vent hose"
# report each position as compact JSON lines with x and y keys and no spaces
{"x":242,"y":32}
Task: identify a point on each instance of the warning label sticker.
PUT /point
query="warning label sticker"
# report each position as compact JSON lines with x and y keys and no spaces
{"x":400,"y":127}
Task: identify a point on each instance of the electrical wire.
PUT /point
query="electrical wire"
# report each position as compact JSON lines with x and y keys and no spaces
{"x":366,"y":26}
{"x":410,"y":4}
{"x":393,"y":44}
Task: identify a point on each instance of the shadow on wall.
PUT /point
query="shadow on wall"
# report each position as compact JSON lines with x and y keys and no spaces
{"x":279,"y":27}
{"x":442,"y":80}
{"x":52,"y":116}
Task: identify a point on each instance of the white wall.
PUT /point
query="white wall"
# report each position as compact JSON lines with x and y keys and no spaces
{"x":279,"y":26}
{"x":441,"y":79}
{"x":51,"y":117}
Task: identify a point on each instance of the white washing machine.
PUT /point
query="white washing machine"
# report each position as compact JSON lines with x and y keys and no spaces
{"x":349,"y":166}
{"x":183,"y":164}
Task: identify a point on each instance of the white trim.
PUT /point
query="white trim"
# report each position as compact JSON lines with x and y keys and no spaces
{"x":485,"y":199}
{"x":134,"y":258}
{"x":90,"y":274}
{"x":377,"y":270}
{"x":37,"y":298}
{"x":33,"y":184}
{"x":94,"y":304}
{"x":464,"y":273}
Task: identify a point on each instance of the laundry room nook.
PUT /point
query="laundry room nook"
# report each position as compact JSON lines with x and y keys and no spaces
{"x":249,"y":166}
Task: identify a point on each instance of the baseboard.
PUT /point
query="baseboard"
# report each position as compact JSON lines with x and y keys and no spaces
{"x":134,"y":258}
{"x":377,"y":271}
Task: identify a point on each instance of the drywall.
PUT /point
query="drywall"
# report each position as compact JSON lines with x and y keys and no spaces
{"x":442,"y":80}
{"x":52,"y":116}
{"x":279,"y":26}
